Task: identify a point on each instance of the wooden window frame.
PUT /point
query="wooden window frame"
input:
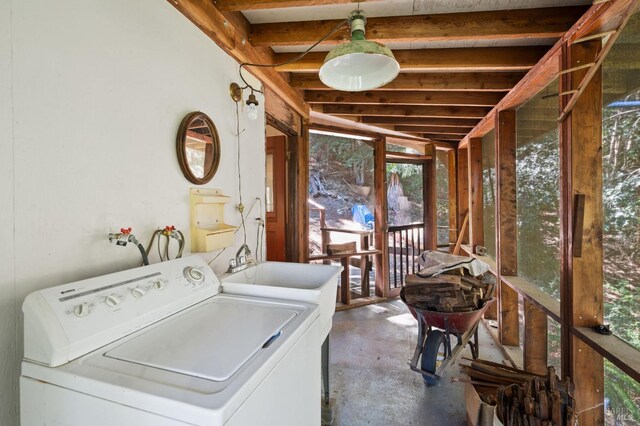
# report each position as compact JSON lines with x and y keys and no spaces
{"x":583,"y":349}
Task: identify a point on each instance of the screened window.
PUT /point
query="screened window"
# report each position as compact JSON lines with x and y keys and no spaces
{"x":489,"y":193}
{"x":341,"y":188}
{"x":553,"y":345}
{"x":621,"y":184}
{"x":538,"y":192}
{"x":621,"y":397}
{"x":442,"y":197}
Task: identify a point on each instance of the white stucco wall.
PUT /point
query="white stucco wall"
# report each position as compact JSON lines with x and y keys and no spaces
{"x":91,"y":96}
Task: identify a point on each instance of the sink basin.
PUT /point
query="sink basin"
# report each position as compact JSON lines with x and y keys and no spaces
{"x":292,"y":281}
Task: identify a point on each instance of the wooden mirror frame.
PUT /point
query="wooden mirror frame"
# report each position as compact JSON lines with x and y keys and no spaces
{"x":181,"y":147}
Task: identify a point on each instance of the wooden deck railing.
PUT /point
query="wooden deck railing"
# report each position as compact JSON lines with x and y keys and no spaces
{"x":406,"y":242}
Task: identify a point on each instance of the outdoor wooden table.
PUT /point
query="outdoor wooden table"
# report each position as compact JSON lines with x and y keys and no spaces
{"x":345,"y":292}
{"x":365,"y":239}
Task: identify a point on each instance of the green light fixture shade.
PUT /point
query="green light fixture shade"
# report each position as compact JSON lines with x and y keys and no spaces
{"x":359,"y":65}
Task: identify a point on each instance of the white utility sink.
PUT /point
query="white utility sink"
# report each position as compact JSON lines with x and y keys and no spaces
{"x":292,"y":281}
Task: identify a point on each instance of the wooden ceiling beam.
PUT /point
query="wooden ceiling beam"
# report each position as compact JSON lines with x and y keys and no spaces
{"x":601,"y":17}
{"x":461,"y":81}
{"x":391,"y":136}
{"x":462,"y":59}
{"x":421,"y":121}
{"x":471,"y":81}
{"x":403,"y":97}
{"x":458,"y":131}
{"x":441,"y":137}
{"x":406,"y":111}
{"x":492,"y":25}
{"x":230,"y":32}
{"x":238,"y":5}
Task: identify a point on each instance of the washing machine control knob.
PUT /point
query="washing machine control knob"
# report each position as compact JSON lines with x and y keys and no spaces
{"x":112,"y":300}
{"x":81,"y":310}
{"x":159,"y":285}
{"x":138,"y":292}
{"x":193,"y":275}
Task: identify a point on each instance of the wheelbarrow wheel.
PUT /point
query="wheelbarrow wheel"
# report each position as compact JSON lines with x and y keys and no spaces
{"x":433,"y":353}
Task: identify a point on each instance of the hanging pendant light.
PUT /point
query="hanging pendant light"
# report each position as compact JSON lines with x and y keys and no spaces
{"x":359,"y":64}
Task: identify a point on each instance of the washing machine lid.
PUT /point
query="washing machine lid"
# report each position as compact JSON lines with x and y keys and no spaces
{"x":211,"y":342}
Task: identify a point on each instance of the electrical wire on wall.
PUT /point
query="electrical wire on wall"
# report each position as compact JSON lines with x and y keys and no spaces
{"x":301,"y":55}
{"x":240,"y":205}
{"x":260,"y":239}
{"x":236,"y":95}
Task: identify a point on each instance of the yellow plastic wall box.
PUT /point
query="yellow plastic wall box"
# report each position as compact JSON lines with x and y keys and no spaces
{"x":208,"y":230}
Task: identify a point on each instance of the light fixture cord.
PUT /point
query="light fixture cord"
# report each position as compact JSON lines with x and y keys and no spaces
{"x":300,"y":56}
{"x":240,"y":206}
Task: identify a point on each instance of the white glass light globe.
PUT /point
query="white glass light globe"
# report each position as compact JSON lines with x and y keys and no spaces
{"x":359,"y":71}
{"x":252,"y":112}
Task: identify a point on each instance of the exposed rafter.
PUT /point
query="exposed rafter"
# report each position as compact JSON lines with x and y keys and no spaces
{"x":421,"y":121}
{"x":453,"y":130}
{"x":404,"y":97}
{"x":460,"y":59}
{"x":439,"y":137}
{"x":476,"y":82}
{"x":495,"y":25}
{"x":236,"y":5}
{"x":406,"y":111}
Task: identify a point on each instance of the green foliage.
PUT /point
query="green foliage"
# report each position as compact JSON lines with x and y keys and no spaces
{"x":442,"y":197}
{"x":622,"y":396}
{"x":331,"y":152}
{"x":411,"y":177}
{"x":489,"y":193}
{"x":538,"y":194}
{"x":621,"y":190}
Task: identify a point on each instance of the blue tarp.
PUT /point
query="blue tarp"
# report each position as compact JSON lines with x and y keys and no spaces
{"x":362,"y":215}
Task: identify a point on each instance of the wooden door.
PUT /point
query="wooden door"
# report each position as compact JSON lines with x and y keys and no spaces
{"x":276,"y":197}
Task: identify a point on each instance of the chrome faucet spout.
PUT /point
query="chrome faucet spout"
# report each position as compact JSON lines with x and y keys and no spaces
{"x":241,"y":261}
{"x":242,"y":248}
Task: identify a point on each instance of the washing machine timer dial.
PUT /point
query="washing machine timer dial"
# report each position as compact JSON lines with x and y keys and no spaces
{"x":138,"y":292}
{"x":193,"y":275}
{"x":159,"y":285}
{"x":81,"y":309}
{"x":112,"y":300}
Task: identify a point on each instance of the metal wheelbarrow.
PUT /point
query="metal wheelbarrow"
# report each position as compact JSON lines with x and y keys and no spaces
{"x":433,"y":349}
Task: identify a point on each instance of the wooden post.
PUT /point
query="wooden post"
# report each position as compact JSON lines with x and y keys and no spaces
{"x":535,"y":339}
{"x":381,"y":261}
{"x":476,"y":230}
{"x":582,"y":291}
{"x":453,"y":199}
{"x":429,"y":197}
{"x":345,"y":281}
{"x":463,"y":190}
{"x":506,"y":230}
{"x":297,"y":246}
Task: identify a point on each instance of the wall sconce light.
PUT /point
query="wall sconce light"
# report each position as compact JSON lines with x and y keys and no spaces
{"x":235,"y":91}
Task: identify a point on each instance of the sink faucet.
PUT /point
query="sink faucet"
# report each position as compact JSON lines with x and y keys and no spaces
{"x":242,"y":248}
{"x":240,"y":262}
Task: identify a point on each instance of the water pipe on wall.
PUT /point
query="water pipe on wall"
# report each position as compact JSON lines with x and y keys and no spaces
{"x":169,"y":232}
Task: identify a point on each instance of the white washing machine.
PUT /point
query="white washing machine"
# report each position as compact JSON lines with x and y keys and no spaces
{"x":158,"y":345}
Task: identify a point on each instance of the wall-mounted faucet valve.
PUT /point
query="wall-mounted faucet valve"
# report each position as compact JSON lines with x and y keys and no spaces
{"x":125,"y":236}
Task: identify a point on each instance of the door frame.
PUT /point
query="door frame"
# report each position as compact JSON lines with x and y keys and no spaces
{"x":295,"y":183}
{"x":429,"y":220}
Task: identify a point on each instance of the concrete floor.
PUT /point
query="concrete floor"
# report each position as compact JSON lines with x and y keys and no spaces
{"x":370,"y":378}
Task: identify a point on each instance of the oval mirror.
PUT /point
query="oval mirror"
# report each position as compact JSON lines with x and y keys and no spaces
{"x":198,"y":148}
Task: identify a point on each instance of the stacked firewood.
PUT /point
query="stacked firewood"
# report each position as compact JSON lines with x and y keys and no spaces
{"x":452,"y":291}
{"x":522,"y":398}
